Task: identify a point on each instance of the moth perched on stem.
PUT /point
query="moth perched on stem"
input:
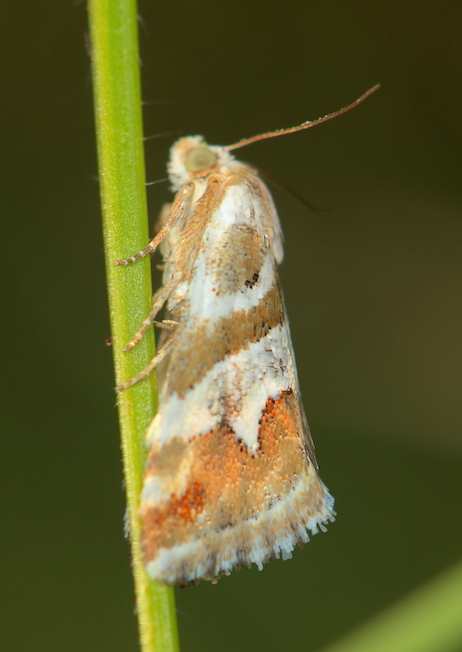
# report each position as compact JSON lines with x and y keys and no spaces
{"x":231,"y":476}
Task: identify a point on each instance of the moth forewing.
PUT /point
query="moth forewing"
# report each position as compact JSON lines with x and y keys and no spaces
{"x":231,"y":477}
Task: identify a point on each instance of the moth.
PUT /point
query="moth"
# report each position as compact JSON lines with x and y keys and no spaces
{"x":231,"y":476}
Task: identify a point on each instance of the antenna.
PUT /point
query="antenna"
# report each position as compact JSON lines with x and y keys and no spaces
{"x":304,"y":125}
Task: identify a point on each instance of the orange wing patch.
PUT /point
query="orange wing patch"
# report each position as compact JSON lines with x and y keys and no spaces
{"x":228,"y":490}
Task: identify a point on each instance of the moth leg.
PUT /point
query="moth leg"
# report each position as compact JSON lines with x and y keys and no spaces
{"x":167,"y":324}
{"x":158,"y":300}
{"x":179,"y":208}
{"x":155,"y":362}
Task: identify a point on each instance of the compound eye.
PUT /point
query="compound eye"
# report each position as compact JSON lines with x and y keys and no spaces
{"x":199,"y":158}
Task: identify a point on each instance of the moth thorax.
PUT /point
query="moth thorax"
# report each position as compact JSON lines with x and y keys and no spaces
{"x":199,"y":158}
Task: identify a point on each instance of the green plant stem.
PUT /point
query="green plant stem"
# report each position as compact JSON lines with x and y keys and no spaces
{"x":430,"y":620}
{"x":114,"y":48}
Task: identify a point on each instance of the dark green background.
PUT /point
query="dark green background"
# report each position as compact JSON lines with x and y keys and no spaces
{"x":373,"y":288}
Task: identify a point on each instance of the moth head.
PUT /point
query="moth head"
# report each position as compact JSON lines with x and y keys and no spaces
{"x":191,"y":158}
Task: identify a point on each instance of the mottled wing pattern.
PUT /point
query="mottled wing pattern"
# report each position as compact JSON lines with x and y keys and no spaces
{"x":231,"y":477}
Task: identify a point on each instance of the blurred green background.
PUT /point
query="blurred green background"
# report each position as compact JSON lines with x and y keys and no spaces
{"x":373,"y":287}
